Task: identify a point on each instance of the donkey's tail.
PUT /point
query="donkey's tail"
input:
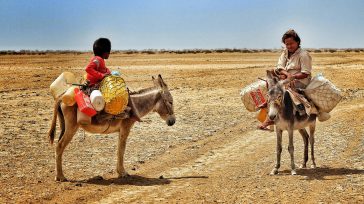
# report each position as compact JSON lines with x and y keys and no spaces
{"x":52,"y":131}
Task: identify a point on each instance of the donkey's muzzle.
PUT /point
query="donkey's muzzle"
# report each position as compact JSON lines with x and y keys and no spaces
{"x":171,"y":121}
{"x":272,"y":117}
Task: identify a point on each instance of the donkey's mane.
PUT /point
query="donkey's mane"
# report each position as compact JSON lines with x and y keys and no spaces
{"x":141,"y":91}
{"x":288,"y":106}
{"x":288,"y":111}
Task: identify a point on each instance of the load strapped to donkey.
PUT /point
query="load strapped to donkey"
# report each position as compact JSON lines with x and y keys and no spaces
{"x":108,"y":101}
{"x":320,"y":92}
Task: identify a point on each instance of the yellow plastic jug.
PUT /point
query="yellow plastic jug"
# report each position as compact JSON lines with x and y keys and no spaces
{"x":68,"y":98}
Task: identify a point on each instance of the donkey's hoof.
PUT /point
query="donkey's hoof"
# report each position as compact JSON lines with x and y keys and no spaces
{"x":61,"y":178}
{"x":293,"y":172}
{"x":274,"y":172}
{"x":124,"y":175}
{"x":313,"y":166}
{"x":303,"y":166}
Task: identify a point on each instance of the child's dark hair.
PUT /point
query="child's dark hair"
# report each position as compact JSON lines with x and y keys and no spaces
{"x":101,"y":46}
{"x":291,"y":34}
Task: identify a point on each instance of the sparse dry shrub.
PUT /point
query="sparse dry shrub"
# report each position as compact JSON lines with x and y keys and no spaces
{"x":149,"y":51}
{"x":131,"y":52}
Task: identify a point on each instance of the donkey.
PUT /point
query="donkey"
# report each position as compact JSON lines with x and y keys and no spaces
{"x":281,"y":111}
{"x":157,"y":99}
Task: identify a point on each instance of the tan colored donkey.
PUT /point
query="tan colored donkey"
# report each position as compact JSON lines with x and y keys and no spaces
{"x":157,"y":98}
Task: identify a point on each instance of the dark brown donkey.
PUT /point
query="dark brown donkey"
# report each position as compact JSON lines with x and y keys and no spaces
{"x":286,"y":118}
{"x":157,"y":98}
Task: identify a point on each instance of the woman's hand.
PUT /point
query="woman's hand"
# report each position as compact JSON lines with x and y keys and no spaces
{"x":300,"y":75}
{"x":282,"y":76}
{"x":290,"y":77}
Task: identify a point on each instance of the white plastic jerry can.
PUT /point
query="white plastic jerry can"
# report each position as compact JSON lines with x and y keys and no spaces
{"x":62,"y":83}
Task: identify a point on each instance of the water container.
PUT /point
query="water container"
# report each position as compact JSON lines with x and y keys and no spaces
{"x":84,"y":103}
{"x":68,"y":98}
{"x":97,"y":100}
{"x":262,"y":115}
{"x":62,"y":83}
{"x":82,"y":118}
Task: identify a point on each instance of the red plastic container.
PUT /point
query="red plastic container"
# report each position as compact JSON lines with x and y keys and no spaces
{"x":84,"y":103}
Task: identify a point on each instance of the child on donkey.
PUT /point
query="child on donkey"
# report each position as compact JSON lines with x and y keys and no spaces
{"x":96,"y":69}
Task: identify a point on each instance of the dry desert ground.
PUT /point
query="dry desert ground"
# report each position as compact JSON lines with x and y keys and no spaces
{"x":213,"y":154}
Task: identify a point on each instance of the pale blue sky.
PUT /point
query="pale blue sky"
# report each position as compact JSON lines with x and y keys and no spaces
{"x":179,"y":24}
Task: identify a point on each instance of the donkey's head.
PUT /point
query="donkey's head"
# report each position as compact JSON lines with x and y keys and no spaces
{"x":164,"y":104}
{"x":276,"y":91}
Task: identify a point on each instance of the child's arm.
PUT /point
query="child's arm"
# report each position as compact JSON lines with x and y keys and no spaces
{"x":108,"y":72}
{"x":92,"y":70}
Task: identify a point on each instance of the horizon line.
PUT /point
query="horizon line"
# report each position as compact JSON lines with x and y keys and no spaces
{"x":165,"y":49}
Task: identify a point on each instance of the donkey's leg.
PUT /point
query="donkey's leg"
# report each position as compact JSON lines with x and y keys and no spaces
{"x":279,"y":151}
{"x":312,"y":143}
{"x":70,"y":128}
{"x":62,"y":144}
{"x":291,"y":151}
{"x":305,"y":137}
{"x":123,"y":136}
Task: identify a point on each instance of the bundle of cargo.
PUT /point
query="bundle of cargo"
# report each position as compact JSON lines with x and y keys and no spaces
{"x":115,"y":94}
{"x":323,"y":93}
{"x":254,"y":95}
{"x":112,"y":97}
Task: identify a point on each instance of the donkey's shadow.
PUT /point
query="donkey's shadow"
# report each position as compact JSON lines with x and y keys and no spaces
{"x":134,"y":180}
{"x":328,"y":173}
{"x":129,"y":180}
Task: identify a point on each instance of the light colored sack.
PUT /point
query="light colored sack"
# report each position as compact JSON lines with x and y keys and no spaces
{"x":323,"y":116}
{"x":254,"y":95}
{"x":323,"y":93}
{"x":97,"y":100}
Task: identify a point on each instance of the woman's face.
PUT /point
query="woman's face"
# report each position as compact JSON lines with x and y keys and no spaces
{"x":291,"y":45}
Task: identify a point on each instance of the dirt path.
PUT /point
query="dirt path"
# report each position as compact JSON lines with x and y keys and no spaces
{"x":232,"y":166}
{"x":212,"y":155}
{"x":235,"y":170}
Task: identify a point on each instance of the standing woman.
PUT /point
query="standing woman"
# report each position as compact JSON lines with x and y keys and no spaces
{"x":294,"y":64}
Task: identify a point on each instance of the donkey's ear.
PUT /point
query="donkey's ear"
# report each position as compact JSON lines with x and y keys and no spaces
{"x":270,"y":74}
{"x":155,"y":81}
{"x":272,"y":79}
{"x":161,"y":81}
